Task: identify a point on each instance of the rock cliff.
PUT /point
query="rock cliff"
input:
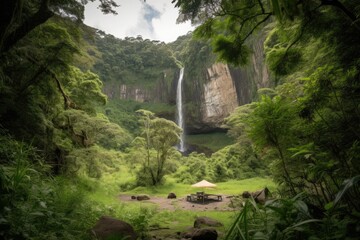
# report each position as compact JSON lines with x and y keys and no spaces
{"x":222,"y":88}
{"x":219,"y":95}
{"x":162,"y":90}
{"x":211,"y":91}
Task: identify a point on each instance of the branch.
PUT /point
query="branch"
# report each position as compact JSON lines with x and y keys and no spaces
{"x":67,"y":101}
{"x":232,"y":12}
{"x":256,"y":26}
{"x":261,"y":5}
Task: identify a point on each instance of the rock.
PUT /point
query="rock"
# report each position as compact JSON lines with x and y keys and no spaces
{"x":142,"y":197}
{"x":110,"y":227}
{"x":188,"y":233}
{"x":260,"y":196}
{"x":219,"y":95}
{"x":246,"y":194}
{"x":199,"y":221}
{"x":205,"y":234}
{"x":171,"y":196}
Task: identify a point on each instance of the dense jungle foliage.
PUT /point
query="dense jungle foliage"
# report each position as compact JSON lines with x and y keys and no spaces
{"x":60,"y":142}
{"x":308,"y":126}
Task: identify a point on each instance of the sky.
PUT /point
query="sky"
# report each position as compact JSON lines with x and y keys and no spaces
{"x":153,"y":19}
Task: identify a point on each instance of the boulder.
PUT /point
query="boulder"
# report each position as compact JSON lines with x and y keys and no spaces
{"x":205,"y":234}
{"x":171,"y":195}
{"x":142,"y":197}
{"x":199,"y":221}
{"x":110,"y":227}
{"x":246,"y":194}
{"x":188,"y":233}
{"x":260,"y":196}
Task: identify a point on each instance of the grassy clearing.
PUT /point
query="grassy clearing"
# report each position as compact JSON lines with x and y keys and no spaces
{"x":250,"y":184}
{"x":233,"y":187}
{"x":212,"y":141}
{"x":144,"y":215}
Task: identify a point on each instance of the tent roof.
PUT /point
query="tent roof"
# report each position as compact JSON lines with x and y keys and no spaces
{"x":204,"y":184}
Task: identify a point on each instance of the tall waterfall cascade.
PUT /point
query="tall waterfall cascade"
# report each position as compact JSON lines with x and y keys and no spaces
{"x":179,"y":105}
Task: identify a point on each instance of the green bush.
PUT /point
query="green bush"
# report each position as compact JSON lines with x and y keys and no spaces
{"x":36,"y":206}
{"x":297,"y":218}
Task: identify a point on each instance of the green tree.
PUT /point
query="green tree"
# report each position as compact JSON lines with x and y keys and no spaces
{"x":193,"y":168}
{"x":40,"y":85}
{"x":270,"y":125}
{"x":159,"y":137}
{"x":229,"y":24}
{"x":87,"y":131}
{"x":241,"y":158}
{"x":19,"y":17}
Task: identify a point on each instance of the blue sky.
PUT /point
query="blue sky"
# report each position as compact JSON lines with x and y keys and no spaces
{"x":153,"y":19}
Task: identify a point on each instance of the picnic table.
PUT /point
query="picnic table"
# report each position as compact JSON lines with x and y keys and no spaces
{"x":201,"y":196}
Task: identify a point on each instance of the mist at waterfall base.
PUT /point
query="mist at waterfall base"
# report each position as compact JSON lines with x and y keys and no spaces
{"x":180,"y":114}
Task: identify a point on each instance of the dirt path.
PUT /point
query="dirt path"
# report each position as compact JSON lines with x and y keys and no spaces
{"x":180,"y":203}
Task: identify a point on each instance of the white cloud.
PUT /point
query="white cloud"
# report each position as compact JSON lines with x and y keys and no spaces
{"x":144,"y":23}
{"x":154,"y":19}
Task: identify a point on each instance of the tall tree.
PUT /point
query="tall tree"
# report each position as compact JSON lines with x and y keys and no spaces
{"x":159,"y":136}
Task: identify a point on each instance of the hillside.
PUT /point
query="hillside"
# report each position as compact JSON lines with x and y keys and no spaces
{"x":146,"y":72}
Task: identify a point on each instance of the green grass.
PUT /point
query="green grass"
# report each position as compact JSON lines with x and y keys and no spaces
{"x":250,"y":184}
{"x":180,"y":220}
{"x":212,"y":141}
{"x":233,"y":187}
{"x":177,"y":221}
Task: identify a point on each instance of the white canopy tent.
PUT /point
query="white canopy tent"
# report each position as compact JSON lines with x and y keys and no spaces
{"x":204,"y":184}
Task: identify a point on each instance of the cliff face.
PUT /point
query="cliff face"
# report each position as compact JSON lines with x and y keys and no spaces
{"x":162,"y":90}
{"x":222,"y":88}
{"x":219,"y":95}
{"x":127,"y":92}
{"x":210,"y":94}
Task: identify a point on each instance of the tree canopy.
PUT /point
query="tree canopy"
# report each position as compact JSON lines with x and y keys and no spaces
{"x":229,"y":24}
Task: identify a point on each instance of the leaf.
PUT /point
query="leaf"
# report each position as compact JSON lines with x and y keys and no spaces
{"x":329,"y":205}
{"x":348,"y":184}
{"x":40,"y":214}
{"x":3,"y":220}
{"x":302,"y":207}
{"x":43,"y":204}
{"x":259,"y":236}
{"x":296,"y":226}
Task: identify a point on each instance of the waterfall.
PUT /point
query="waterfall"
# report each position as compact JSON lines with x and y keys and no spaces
{"x":180,"y":117}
